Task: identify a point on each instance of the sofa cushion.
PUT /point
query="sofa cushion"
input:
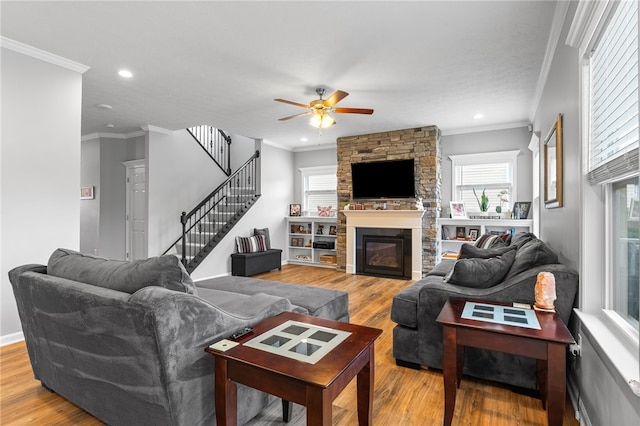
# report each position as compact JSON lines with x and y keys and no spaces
{"x":533,"y":253}
{"x":468,"y":251}
{"x":251,"y":244}
{"x":442,"y":268}
{"x":163,"y":271}
{"x":319,"y":302}
{"x":521,"y":238}
{"x":265,"y":233}
{"x":481,"y":273}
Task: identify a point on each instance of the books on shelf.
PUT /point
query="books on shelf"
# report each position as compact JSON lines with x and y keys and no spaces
{"x":449,"y":255}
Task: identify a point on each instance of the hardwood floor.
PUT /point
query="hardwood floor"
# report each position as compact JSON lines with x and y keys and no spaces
{"x":402,"y":396}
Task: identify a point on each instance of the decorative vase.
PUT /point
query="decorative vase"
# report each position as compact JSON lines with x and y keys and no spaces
{"x":545,"y":291}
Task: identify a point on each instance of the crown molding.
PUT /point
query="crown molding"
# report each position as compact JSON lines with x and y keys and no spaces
{"x":559,"y":17}
{"x":150,"y":128}
{"x":43,"y":55}
{"x":587,"y":24}
{"x":488,"y":128}
{"x":107,"y":135}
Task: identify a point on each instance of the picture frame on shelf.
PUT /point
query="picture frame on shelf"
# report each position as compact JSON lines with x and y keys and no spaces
{"x":473,"y":234}
{"x":521,"y":209}
{"x":333,"y":230}
{"x":295,"y":210}
{"x":457,"y":209}
{"x":461,"y":233}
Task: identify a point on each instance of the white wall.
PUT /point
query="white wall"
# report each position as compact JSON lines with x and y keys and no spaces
{"x":489,"y":141}
{"x":90,"y":209}
{"x":268,"y":212}
{"x":40,"y":168}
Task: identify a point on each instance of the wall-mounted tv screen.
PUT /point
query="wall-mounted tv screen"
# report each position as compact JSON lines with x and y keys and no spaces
{"x":383,"y":179}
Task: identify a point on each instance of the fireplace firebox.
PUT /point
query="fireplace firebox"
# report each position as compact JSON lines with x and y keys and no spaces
{"x":383,"y":252}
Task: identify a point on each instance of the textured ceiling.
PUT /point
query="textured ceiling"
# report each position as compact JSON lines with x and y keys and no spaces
{"x":222,"y":63}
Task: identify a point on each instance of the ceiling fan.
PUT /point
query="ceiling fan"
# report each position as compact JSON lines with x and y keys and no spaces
{"x":319,"y":109}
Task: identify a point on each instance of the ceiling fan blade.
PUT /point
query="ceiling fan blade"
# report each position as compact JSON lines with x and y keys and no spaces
{"x":337,"y":96}
{"x":292,"y":103}
{"x":294,"y":116}
{"x":353,"y":111}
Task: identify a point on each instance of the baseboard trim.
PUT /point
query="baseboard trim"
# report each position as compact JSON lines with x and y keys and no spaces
{"x":11,"y":338}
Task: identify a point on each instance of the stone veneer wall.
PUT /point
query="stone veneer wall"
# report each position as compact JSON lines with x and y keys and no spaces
{"x":422,"y":144}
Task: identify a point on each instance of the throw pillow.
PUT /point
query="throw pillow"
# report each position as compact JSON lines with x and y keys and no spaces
{"x":251,"y":244}
{"x":488,"y":241}
{"x":533,"y":253}
{"x":468,"y":251}
{"x":480,"y":273}
{"x":265,"y":233}
{"x":162,"y":271}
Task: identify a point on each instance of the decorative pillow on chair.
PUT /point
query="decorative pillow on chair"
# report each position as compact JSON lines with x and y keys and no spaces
{"x":480,"y":273}
{"x":251,"y":244}
{"x":265,"y":233}
{"x":469,"y":251}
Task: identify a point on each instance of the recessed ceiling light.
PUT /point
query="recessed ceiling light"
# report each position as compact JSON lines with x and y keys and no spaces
{"x":125,"y":73}
{"x":104,"y":106}
{"x":478,"y":116}
{"x":303,"y":139}
{"x":110,"y":126}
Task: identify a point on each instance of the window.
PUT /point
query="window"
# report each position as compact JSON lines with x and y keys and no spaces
{"x":624,"y":250}
{"x":320,"y":188}
{"x":491,"y":172}
{"x":613,"y":154}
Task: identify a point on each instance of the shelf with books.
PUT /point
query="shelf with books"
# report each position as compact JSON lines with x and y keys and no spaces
{"x":452,"y":233}
{"x":312,"y":240}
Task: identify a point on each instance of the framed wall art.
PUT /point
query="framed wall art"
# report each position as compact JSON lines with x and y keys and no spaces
{"x":86,"y":193}
{"x":553,"y":166}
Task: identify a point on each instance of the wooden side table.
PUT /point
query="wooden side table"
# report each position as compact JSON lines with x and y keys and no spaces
{"x":547,"y":346}
{"x":312,"y":385}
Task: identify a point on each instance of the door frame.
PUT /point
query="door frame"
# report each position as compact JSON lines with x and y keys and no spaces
{"x":130,"y":166}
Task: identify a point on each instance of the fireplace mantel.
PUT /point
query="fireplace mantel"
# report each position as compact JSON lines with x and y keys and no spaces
{"x":400,"y":219}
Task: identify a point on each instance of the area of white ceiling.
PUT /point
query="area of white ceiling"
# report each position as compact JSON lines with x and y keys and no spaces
{"x":222,"y":63}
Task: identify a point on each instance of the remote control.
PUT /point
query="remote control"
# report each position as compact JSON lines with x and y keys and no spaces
{"x":239,"y":334}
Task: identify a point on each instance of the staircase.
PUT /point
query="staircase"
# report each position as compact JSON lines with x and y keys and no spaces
{"x":208,"y":223}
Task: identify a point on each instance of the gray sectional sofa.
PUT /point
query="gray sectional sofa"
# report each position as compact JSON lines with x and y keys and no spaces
{"x":125,"y":340}
{"x":506,"y":272}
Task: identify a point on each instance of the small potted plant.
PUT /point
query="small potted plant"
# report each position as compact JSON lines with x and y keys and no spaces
{"x":503,"y":197}
{"x":483,"y":201}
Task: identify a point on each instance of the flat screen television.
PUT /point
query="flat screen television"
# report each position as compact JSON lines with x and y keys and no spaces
{"x":383,"y":179}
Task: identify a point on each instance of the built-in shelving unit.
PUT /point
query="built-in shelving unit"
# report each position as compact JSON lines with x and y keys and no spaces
{"x":303,"y":232}
{"x":452,"y":233}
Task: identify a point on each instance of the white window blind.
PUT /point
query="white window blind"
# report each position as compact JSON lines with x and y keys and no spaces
{"x":614,"y":98}
{"x":320,"y":185}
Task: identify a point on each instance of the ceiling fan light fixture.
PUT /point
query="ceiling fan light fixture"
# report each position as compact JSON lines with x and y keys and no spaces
{"x":322,"y":120}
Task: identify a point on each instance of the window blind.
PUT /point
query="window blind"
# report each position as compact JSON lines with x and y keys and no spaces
{"x":614,"y":98}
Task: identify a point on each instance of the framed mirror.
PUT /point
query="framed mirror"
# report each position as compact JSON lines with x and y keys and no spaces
{"x":553,"y":166}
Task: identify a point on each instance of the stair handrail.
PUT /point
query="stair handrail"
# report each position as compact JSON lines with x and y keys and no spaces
{"x":184,"y":217}
{"x":224,"y":163}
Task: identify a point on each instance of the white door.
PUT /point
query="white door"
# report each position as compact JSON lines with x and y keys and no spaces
{"x":136,"y":210}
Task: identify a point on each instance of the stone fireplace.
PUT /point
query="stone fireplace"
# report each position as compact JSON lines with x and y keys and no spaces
{"x":421,"y":144}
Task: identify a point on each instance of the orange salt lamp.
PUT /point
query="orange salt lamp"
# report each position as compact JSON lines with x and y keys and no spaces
{"x":545,"y":291}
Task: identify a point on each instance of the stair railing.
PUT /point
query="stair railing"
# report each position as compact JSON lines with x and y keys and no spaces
{"x":207,"y":223}
{"x":216,"y":143}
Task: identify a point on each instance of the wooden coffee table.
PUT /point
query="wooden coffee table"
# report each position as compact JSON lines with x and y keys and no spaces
{"x":312,"y":385}
{"x":546,"y":345}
